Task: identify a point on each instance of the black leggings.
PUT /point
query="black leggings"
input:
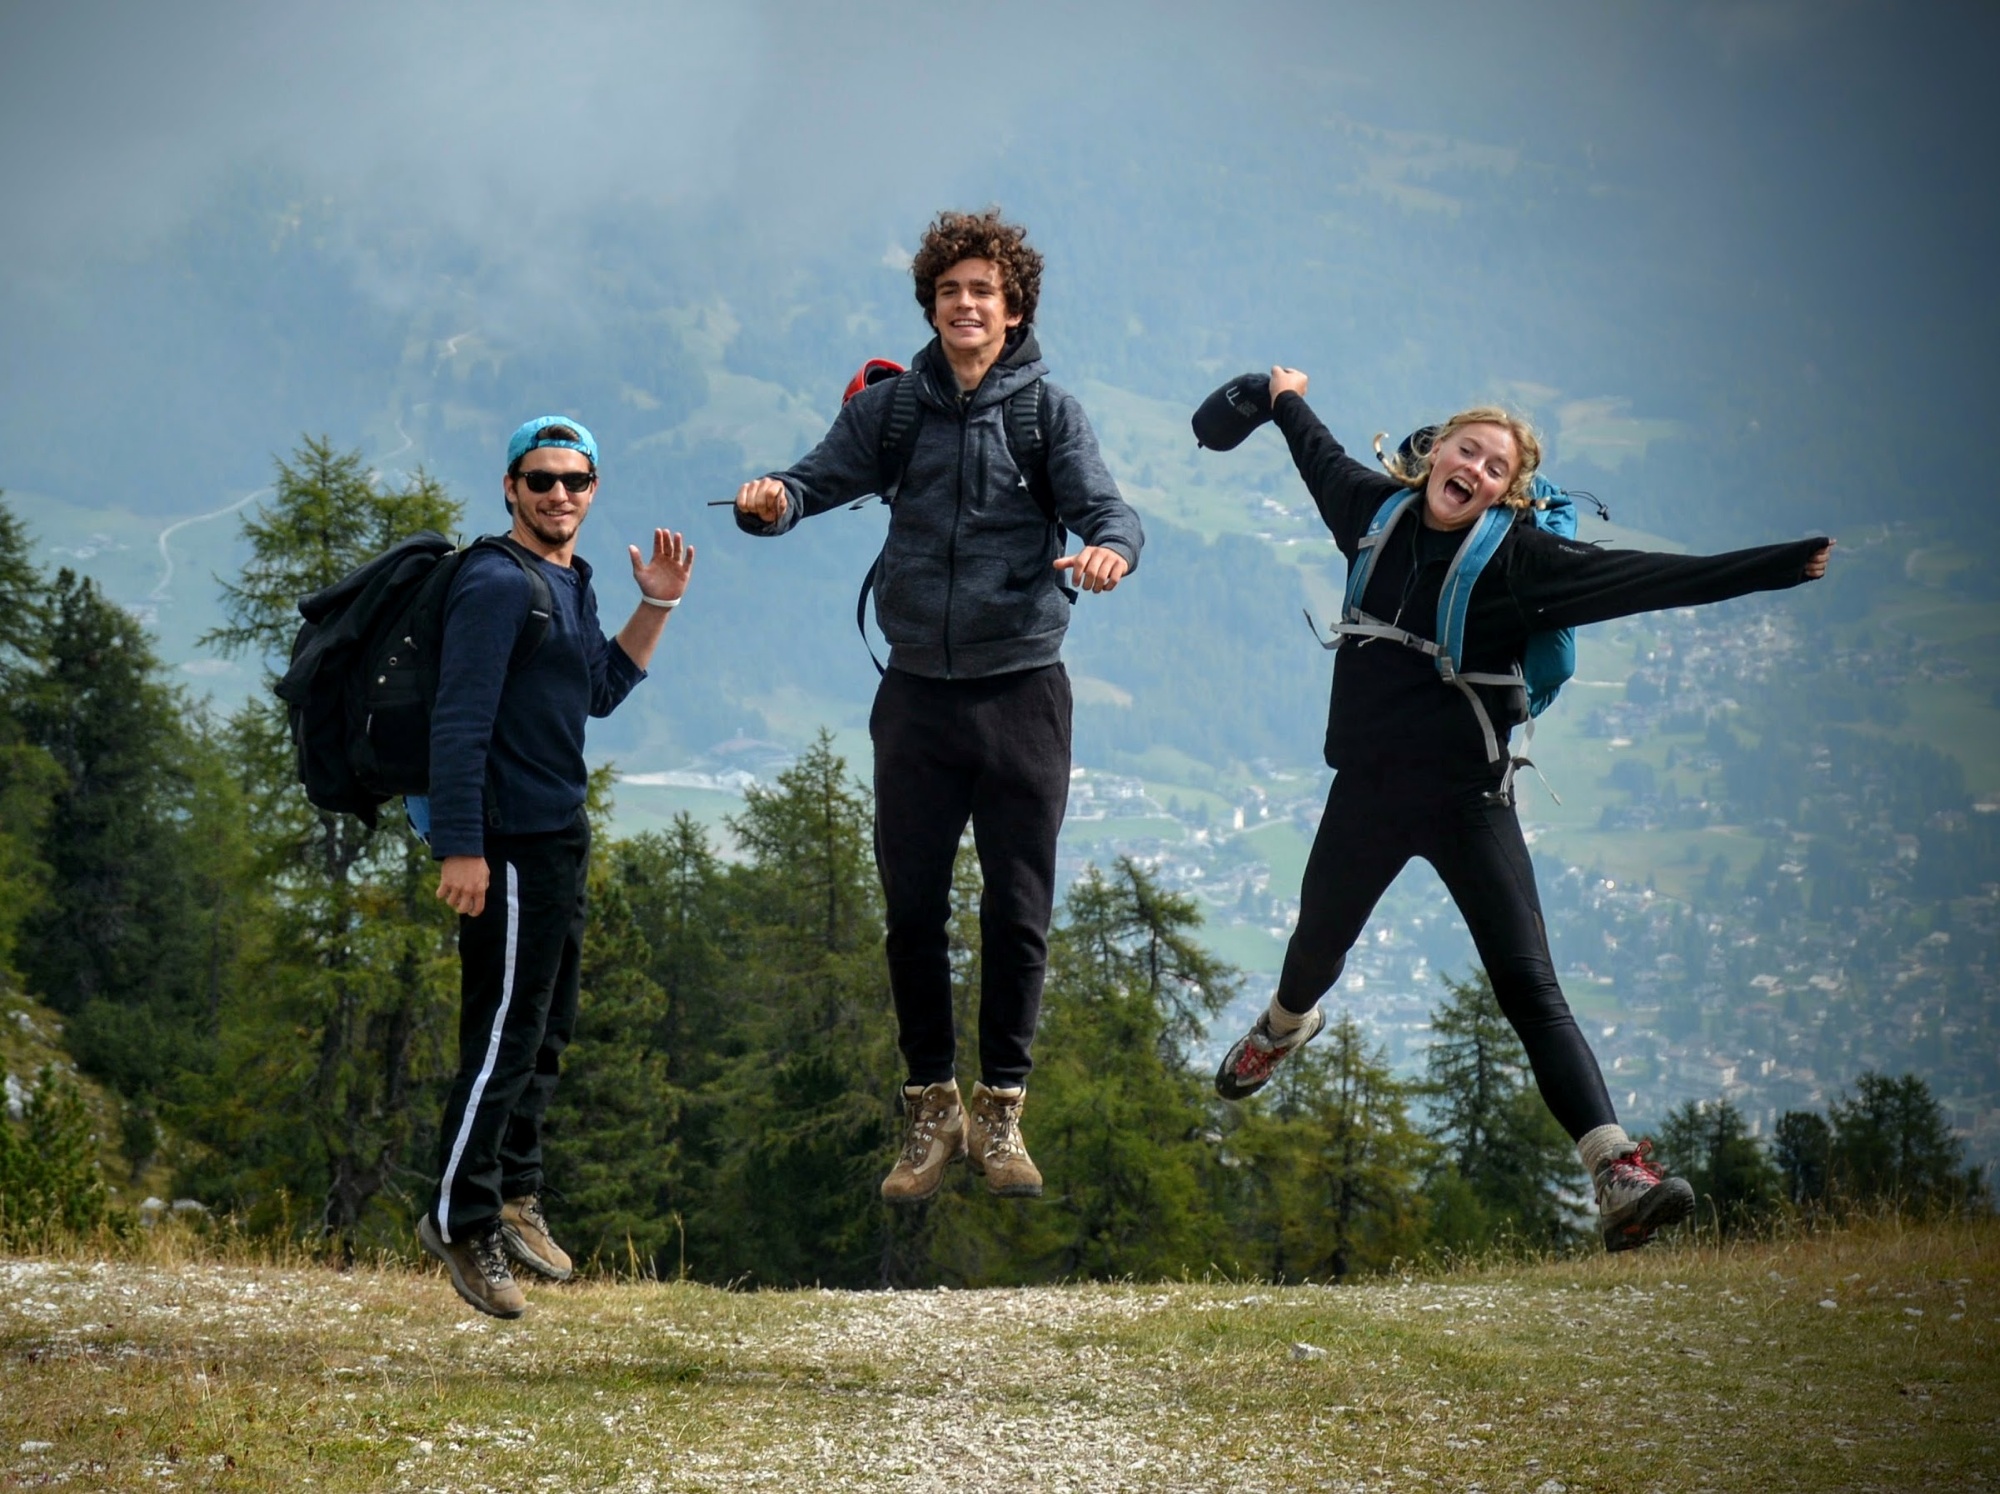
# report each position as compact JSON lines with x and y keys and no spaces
{"x":1373,"y":825}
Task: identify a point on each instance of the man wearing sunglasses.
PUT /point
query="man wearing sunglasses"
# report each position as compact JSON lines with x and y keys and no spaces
{"x":506,"y":821}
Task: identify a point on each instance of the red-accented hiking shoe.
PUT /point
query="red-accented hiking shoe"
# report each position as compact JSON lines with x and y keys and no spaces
{"x":1248,"y":1066}
{"x":1635,"y":1200}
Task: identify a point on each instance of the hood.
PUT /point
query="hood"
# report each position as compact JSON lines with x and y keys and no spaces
{"x":1021,"y":364}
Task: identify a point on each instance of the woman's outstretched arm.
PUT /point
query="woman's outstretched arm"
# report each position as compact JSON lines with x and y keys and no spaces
{"x":1560,"y":583}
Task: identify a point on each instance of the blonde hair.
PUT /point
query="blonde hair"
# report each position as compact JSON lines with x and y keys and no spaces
{"x":1415,"y":470}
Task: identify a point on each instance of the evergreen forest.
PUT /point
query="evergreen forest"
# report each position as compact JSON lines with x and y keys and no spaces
{"x":255,"y":1005}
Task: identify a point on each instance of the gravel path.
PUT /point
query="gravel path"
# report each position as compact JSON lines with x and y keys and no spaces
{"x":1849,"y":1364}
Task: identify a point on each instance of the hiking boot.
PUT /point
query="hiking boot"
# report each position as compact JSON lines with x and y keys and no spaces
{"x":478,"y":1268}
{"x":933,"y":1139}
{"x":525,"y":1233}
{"x":1634,"y":1200}
{"x":996,"y":1151}
{"x":1247,"y":1067}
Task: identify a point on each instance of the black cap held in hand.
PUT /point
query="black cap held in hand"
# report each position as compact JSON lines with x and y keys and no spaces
{"x":1230,"y":414}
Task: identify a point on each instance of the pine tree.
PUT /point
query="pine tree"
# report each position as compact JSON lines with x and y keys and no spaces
{"x":794,"y":1122}
{"x":50,"y":1184}
{"x":341,"y":1034}
{"x":1119,"y":1128}
{"x":1804,"y":1149}
{"x":674,"y":886}
{"x":1735,"y":1183}
{"x":1332,"y":1162}
{"x":610,"y":1155}
{"x":1504,"y":1167}
{"x":28,"y":775}
{"x":120,"y":942}
{"x":1891,"y":1145}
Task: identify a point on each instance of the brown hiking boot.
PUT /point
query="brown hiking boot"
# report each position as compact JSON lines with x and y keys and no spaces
{"x":525,"y":1233}
{"x":478,"y":1269}
{"x":933,"y":1139}
{"x":997,"y":1150}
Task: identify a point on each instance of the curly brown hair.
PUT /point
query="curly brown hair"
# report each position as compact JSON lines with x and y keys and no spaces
{"x":956,"y":236}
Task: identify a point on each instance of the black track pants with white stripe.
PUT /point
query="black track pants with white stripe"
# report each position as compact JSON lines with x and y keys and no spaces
{"x":520,"y":961}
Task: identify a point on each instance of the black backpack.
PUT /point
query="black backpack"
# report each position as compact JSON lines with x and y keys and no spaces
{"x":1027,"y":444}
{"x":364,"y":673}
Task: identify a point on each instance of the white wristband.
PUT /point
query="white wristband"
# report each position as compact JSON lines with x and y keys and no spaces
{"x":667,"y":605}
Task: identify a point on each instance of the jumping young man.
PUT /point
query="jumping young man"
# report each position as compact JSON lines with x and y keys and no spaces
{"x":506,"y":821}
{"x":985,"y":463}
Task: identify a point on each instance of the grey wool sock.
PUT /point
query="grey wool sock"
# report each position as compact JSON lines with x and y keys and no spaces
{"x":1602,"y":1145}
{"x":1281,"y":1022}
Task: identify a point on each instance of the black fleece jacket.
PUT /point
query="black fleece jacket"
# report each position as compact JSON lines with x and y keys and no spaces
{"x":1389,"y":709}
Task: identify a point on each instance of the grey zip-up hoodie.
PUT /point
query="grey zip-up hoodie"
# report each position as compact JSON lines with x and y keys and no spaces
{"x":967,"y":585}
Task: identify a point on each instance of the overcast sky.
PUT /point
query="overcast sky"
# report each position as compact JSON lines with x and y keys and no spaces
{"x":1836,"y":151}
{"x":1806,"y":115}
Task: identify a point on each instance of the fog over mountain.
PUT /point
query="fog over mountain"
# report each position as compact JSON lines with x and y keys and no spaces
{"x":239,"y":215}
{"x":1730,"y":256}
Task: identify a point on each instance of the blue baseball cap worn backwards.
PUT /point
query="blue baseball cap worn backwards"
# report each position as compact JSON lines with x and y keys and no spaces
{"x":529,"y":436}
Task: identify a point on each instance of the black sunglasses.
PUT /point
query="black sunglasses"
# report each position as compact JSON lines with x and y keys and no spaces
{"x":540,"y":482}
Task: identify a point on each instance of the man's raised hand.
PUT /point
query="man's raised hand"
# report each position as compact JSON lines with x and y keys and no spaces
{"x":763,"y":498}
{"x":1286,"y":379}
{"x":665,"y":576}
{"x":1094,"y":568}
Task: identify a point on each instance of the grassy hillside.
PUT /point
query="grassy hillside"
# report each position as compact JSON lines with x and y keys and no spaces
{"x":1861,"y":1360}
{"x":31,"y":1039}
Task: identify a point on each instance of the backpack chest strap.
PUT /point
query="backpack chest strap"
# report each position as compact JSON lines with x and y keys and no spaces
{"x":1360,"y":625}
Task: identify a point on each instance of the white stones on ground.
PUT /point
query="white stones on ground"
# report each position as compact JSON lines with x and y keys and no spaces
{"x":1304,"y":1352}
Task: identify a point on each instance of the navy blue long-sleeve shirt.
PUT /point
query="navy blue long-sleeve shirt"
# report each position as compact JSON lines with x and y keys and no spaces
{"x":519,"y":733}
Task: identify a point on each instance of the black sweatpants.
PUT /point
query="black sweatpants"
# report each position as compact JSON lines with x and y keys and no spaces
{"x":1374,"y":824}
{"x":520,"y":961}
{"x":995,"y":751}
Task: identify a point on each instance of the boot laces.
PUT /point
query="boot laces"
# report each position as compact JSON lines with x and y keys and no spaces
{"x":1003,"y":1127}
{"x":1261,"y":1052}
{"x":531,"y":1210}
{"x":491,"y":1257}
{"x":924,"y":1119}
{"x":1638,"y":1165}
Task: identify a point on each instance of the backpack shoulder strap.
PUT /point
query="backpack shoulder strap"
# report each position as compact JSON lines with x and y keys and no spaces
{"x":1455,"y":596}
{"x":1022,"y":417}
{"x":1393,"y":508}
{"x":1023,"y":422}
{"x":899,"y":435}
{"x":541,"y":599}
{"x":892,"y":464}
{"x":861,"y":611}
